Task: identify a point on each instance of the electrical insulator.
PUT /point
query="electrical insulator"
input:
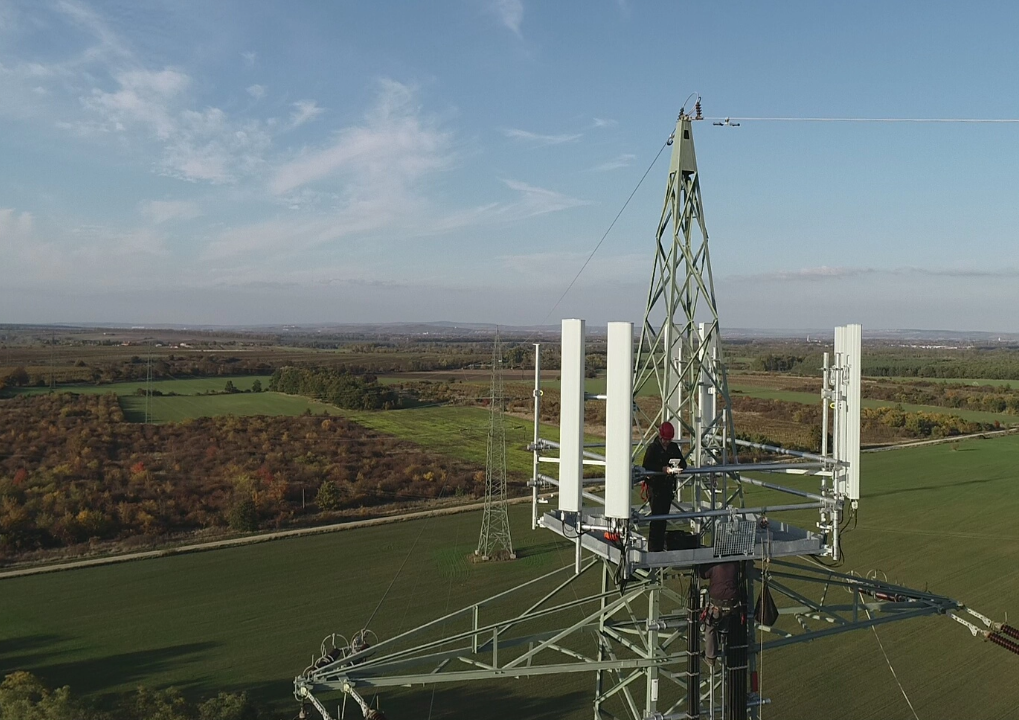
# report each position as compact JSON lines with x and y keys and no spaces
{"x":697,"y":110}
{"x":1004,"y":642}
{"x":1010,"y":631}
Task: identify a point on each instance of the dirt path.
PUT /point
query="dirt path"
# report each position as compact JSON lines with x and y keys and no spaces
{"x":246,"y":540}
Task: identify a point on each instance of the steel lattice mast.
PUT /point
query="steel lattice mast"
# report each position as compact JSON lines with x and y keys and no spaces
{"x":627,"y":615}
{"x":495,"y":541}
{"x":679,"y":353}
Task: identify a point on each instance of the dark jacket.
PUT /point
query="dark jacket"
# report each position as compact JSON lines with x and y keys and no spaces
{"x":723,"y":580}
{"x":656,"y":459}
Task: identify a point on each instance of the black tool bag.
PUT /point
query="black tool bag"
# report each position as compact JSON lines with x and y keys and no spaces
{"x":765,"y":612}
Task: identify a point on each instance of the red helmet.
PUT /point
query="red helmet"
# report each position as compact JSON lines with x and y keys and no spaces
{"x":666,"y":431}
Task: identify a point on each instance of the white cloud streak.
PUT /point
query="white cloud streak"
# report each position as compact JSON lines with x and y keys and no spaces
{"x":539,"y":140}
{"x":509,"y":12}
{"x":395,"y":144}
{"x":620,"y":161}
{"x":304,"y":111}
{"x":256,"y":91}
{"x":824,"y":272}
{"x":161,"y":211}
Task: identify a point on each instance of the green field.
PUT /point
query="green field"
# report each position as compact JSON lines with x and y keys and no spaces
{"x":458,"y":431}
{"x":939,"y":517}
{"x":807,"y":398}
{"x":183,"y":386}
{"x":976,"y":382}
{"x":183,"y":407}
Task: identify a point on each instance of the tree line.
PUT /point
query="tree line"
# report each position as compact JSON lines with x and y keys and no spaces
{"x":24,"y":696}
{"x":338,"y":387}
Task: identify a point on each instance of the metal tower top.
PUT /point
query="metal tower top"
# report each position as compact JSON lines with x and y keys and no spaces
{"x":679,"y":353}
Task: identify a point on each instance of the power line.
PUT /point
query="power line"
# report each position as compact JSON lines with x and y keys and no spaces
{"x":605,"y":235}
{"x":992,"y":121}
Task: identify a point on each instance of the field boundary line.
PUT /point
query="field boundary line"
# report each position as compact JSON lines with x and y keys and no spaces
{"x":939,"y":441}
{"x":247,"y":540}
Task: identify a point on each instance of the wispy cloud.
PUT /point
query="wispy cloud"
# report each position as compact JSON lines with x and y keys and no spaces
{"x":161,"y":211}
{"x":84,"y":255}
{"x":824,"y":272}
{"x":540,"y":201}
{"x":395,"y":144}
{"x":556,"y":268}
{"x":249,"y":58}
{"x":143,"y":97}
{"x":538,"y":139}
{"x":620,"y":161}
{"x":109,"y":43}
{"x":304,"y":111}
{"x":256,"y":91}
{"x":15,"y":227}
{"x":603,"y":123}
{"x":508,"y":12}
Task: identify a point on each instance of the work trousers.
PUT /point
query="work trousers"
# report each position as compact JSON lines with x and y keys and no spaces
{"x":661,"y":504}
{"x":713,"y":616}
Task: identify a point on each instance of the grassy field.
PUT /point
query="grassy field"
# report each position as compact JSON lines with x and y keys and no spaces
{"x":954,"y":381}
{"x":250,"y":618}
{"x":811,"y":398}
{"x":457,"y":431}
{"x":184,"y":386}
{"x":182,"y":407}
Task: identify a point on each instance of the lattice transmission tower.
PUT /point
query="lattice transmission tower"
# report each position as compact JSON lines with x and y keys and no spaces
{"x":495,"y":542}
{"x":679,"y":354}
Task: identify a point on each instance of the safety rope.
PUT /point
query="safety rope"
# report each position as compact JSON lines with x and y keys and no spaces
{"x":449,"y":595}
{"x":894,"y":676}
{"x":396,"y":577}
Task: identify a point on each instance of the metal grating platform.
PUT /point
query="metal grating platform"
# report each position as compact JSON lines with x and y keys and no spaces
{"x":735,"y":536}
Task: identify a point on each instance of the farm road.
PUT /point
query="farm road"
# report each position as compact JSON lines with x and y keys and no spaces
{"x":247,"y":540}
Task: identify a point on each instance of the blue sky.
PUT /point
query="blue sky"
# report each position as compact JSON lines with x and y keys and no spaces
{"x":253,"y":162}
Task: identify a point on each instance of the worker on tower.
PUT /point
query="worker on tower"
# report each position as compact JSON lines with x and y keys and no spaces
{"x":661,"y":483}
{"x":723,"y":601}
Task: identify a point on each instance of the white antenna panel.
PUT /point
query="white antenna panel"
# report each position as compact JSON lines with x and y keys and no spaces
{"x":619,"y":420}
{"x":571,"y":416}
{"x":848,"y":362}
{"x":854,"y":352}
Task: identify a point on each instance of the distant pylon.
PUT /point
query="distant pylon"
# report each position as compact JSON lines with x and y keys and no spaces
{"x":495,"y":542}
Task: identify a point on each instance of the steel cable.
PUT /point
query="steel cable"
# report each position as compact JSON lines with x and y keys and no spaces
{"x":605,"y":234}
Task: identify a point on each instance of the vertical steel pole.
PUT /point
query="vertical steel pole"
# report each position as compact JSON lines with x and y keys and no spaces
{"x":653,"y":602}
{"x":693,"y":648}
{"x":537,"y":435}
{"x":599,"y":677}
{"x":825,"y":384}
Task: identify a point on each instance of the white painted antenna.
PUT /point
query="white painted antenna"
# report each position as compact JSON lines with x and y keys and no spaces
{"x":619,"y":420}
{"x":846,"y":430}
{"x":571,"y":417}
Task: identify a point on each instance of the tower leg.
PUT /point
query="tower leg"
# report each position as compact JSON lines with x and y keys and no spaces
{"x":599,"y":677}
{"x":693,"y":646}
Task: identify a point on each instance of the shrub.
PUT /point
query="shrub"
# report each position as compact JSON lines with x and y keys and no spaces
{"x":328,"y":496}
{"x":244,"y":515}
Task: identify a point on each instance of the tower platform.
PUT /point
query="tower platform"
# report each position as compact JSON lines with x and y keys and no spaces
{"x":773,"y":540}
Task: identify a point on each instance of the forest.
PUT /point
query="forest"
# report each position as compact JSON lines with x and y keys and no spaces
{"x":73,"y":472}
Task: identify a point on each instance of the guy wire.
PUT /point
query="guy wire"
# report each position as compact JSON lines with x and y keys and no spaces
{"x":605,"y":234}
